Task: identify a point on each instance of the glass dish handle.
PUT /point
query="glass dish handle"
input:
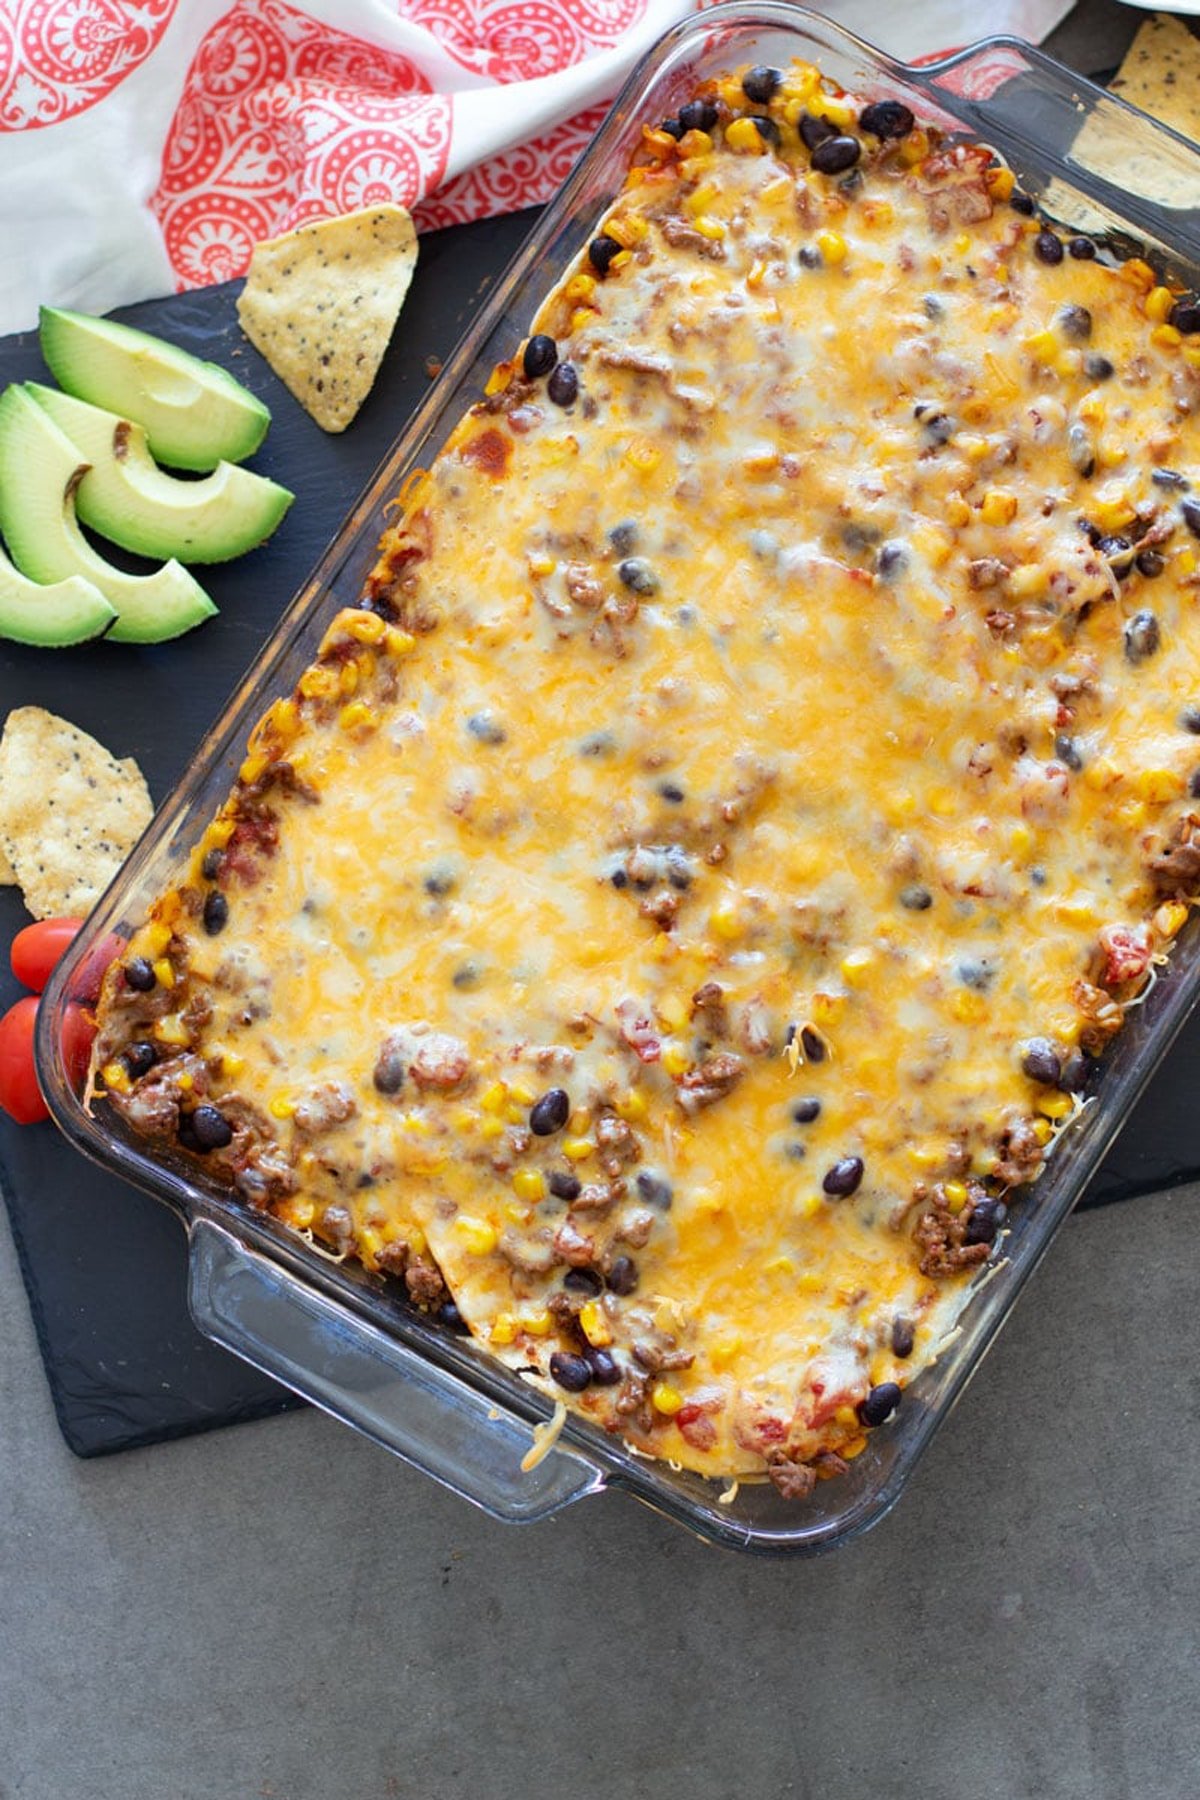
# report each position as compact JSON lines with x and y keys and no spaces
{"x":352,"y":1370}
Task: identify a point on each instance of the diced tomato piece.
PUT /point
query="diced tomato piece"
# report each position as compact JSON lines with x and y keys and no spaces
{"x":1126,"y":954}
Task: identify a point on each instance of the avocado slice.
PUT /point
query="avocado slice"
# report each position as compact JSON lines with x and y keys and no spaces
{"x":65,"y":612}
{"x":194,"y":413}
{"x":38,"y":471}
{"x":126,"y":497}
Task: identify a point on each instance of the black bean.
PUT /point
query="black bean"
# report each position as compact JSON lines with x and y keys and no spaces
{"x":1117,"y":552}
{"x":886,"y":119}
{"x":216,"y":912}
{"x":564,"y":1185}
{"x":186,"y":1135}
{"x":1075,"y":1072}
{"x":571,"y":1372}
{"x":976,"y":972}
{"x":623,"y":537}
{"x":655,"y":1190}
{"x":440,"y":882}
{"x":857,"y":536}
{"x":541,"y":354}
{"x":210,"y":868}
{"x":671,"y":791}
{"x":1021,"y":203}
{"x":487,"y":730}
{"x":814,"y":131}
{"x":880,"y":1403}
{"x":795,"y":1152}
{"x":606,"y":1370}
{"x":1189,"y":720}
{"x":1067,"y":751}
{"x":933,"y":307}
{"x":1075,"y":322}
{"x":937,"y":426}
{"x":987,"y":1216}
{"x":698,"y":115}
{"x":213,"y":1130}
{"x":678,"y":873}
{"x":916,"y":898}
{"x":448,"y":1315}
{"x":622,"y":1277}
{"x":619,"y":879}
{"x":892,"y":558}
{"x":1142,"y":636}
{"x":673,"y":127}
{"x":1191,"y":515}
{"x":903,"y":1337}
{"x":388,"y":1074}
{"x":1194,"y":785}
{"x":812,"y":1044}
{"x":1185,"y":314}
{"x":767,"y":129}
{"x":563,"y":385}
{"x":1041,"y":1062}
{"x":1169,"y":478}
{"x":467,"y":977}
{"x":1097,"y":367}
{"x":806,"y":1110}
{"x":636,"y":574}
{"x":809,"y":257}
{"x":601,"y":251}
{"x":140,"y":1057}
{"x":139,"y":974}
{"x":1082,"y":249}
{"x":1047,"y":247}
{"x":836,"y":154}
{"x":845,"y":1177}
{"x":583,"y":1281}
{"x":760,"y":82}
{"x":1150,"y":564}
{"x":550,"y":1113}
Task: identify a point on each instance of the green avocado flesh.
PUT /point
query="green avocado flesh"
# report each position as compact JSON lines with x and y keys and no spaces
{"x":194,"y":413}
{"x":65,"y":612}
{"x":126,"y":497}
{"x":38,"y":471}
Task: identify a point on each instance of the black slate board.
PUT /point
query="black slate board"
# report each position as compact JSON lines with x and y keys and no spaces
{"x":104,"y":1265}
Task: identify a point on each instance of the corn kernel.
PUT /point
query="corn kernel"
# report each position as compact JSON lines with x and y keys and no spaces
{"x":832,"y":246}
{"x":516,"y":1213}
{"x":968,"y":1007}
{"x":504,"y":1329}
{"x":999,"y":507}
{"x":632,"y":1105}
{"x":695,"y":145}
{"x":1043,"y":1131}
{"x":847,"y":1416}
{"x":942,"y":802}
{"x":1055,"y":1106}
{"x":493,"y":1097}
{"x":593,"y":1322}
{"x":854,"y":1447}
{"x":1170,"y":918}
{"x":643,"y":455}
{"x":582,"y":317}
{"x":499,"y":378}
{"x":665,"y":1399}
{"x":578,"y":1149}
{"x":315,"y":684}
{"x":723,"y":1350}
{"x":1027,"y":581}
{"x":985,"y":1163}
{"x":1167,"y":337}
{"x":857,"y":966}
{"x":1020,"y":839}
{"x":529,"y":1184}
{"x":1000,"y":183}
{"x":834,"y":108}
{"x":1137,"y":273}
{"x":164,"y":974}
{"x":827,"y":1009}
{"x":1102,"y":774}
{"x":956,"y":511}
{"x":743,"y":136}
{"x":580,"y":287}
{"x":809,"y":1206}
{"x":675,"y":1060}
{"x":281,"y":1107}
{"x":1113,"y":515}
{"x":956,"y":1196}
{"x":627,"y":231}
{"x":491,"y":1129}
{"x":809,"y":1282}
{"x":515,"y":1114}
{"x":1080,"y":911}
{"x":522,"y":1093}
{"x":1191,"y":354}
{"x":1185,"y":562}
{"x":231,"y":1063}
{"x":1158,"y":303}
{"x":185,"y":1082}
{"x":116,"y":1077}
{"x":355,"y":716}
{"x":725,"y":921}
{"x":542,"y":565}
{"x":1158,"y":785}
{"x":537,"y":1324}
{"x":709,"y":227}
{"x":779,"y":1265}
{"x":661,"y":142}
{"x":399,"y":643}
{"x":1043,"y":346}
{"x":479,"y":1237}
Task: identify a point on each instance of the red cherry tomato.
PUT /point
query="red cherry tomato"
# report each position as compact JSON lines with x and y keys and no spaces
{"x":75,"y":1043}
{"x":36,"y":950}
{"x":89,"y":976}
{"x":20,"y":1095}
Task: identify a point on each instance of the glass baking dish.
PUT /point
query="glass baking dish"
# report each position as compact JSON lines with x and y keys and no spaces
{"x":331,"y":1331}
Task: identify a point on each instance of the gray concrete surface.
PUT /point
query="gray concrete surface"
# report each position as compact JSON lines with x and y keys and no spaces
{"x":282,"y":1612}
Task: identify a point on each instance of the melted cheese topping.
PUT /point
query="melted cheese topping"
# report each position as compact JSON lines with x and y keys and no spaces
{"x":763,"y":755}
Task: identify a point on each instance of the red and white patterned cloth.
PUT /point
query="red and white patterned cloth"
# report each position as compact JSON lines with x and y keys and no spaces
{"x":147,"y":145}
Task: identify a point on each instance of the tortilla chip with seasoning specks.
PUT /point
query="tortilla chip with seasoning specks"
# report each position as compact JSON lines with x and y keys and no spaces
{"x":1161,"y":75}
{"x":69,"y":812}
{"x":321,"y":302}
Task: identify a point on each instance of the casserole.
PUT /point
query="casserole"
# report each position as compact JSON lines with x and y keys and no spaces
{"x":870,"y":1482}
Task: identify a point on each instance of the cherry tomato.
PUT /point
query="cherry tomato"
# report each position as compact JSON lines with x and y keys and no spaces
{"x":20,"y":1095}
{"x":75,"y":1043}
{"x":36,"y":950}
{"x":89,"y":976}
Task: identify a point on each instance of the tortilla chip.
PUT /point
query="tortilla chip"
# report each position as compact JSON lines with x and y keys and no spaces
{"x":8,"y":875}
{"x":69,"y":812}
{"x":1160,"y":74}
{"x":321,"y":302}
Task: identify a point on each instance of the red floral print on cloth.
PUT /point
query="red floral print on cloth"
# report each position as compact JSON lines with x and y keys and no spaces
{"x":526,"y":176}
{"x":58,"y":57}
{"x":281,"y":120}
{"x":517,"y":40}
